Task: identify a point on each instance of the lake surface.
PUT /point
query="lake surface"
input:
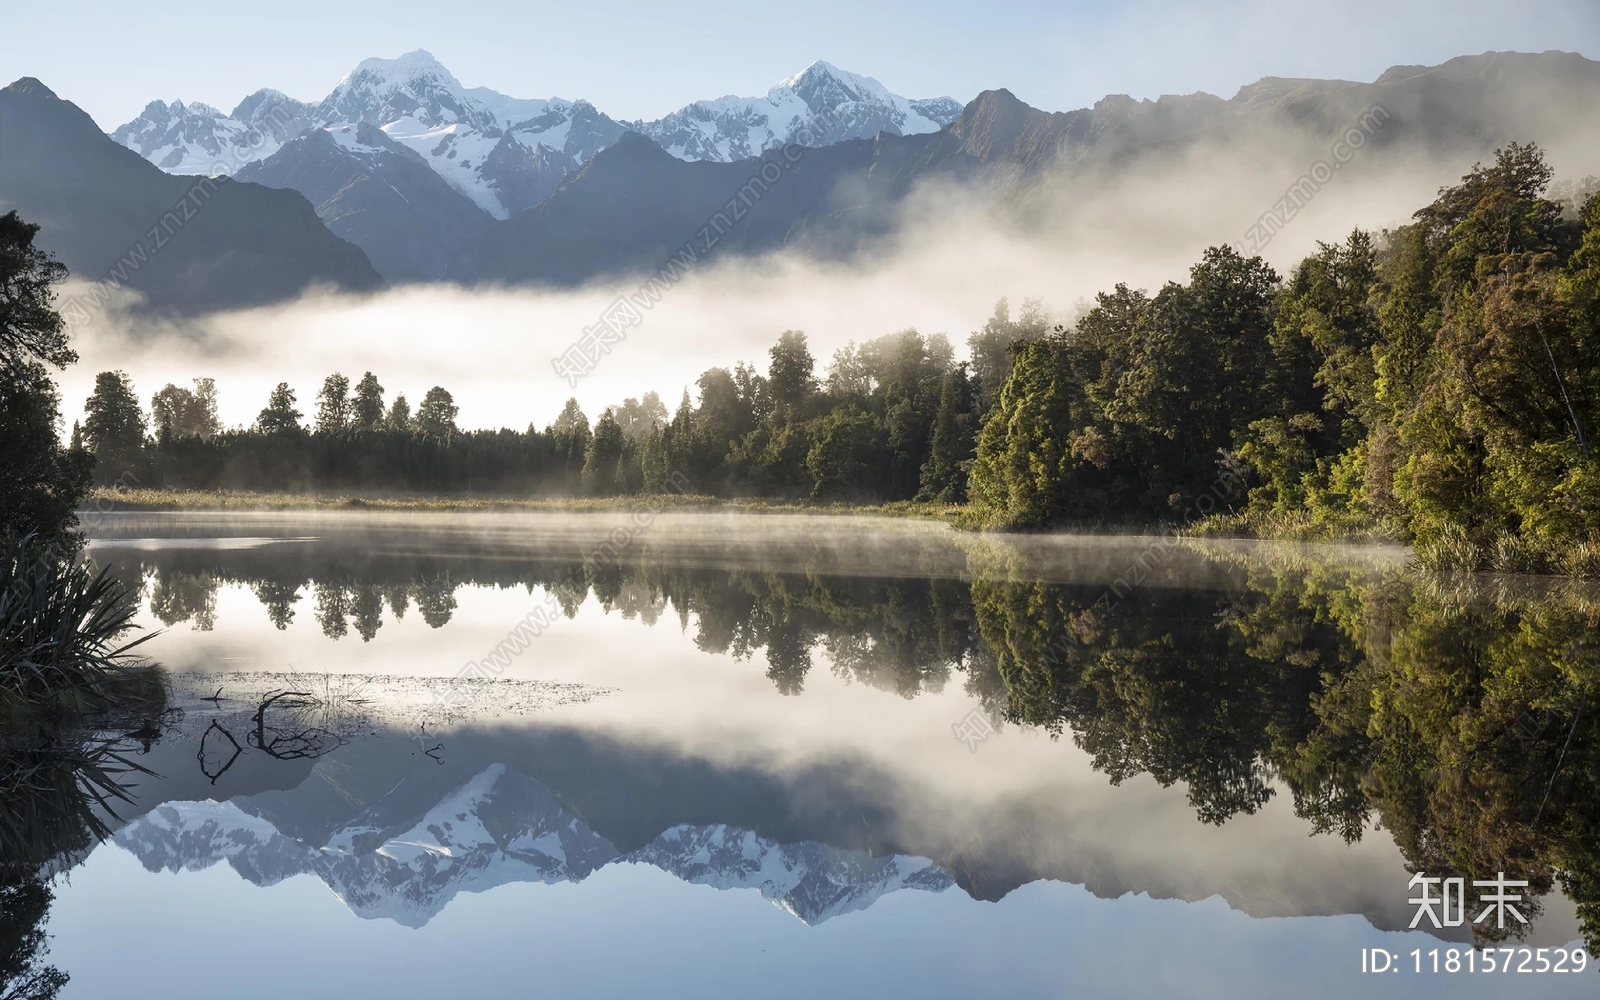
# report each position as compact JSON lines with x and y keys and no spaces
{"x":732,"y":755}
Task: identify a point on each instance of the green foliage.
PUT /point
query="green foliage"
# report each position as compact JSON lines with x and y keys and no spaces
{"x":42,"y":483}
{"x":1456,"y":716}
{"x":950,"y":450}
{"x":30,"y":328}
{"x":1437,"y":384}
{"x":24,"y":905}
{"x":436,"y":414}
{"x":399,"y":416}
{"x":333,"y":404}
{"x":1133,"y":413}
{"x":792,"y":374}
{"x":846,"y":454}
{"x":638,"y":419}
{"x":178,"y":412}
{"x":569,"y":437}
{"x":60,"y":629}
{"x":114,"y":425}
{"x":279,"y":416}
{"x":604,"y":473}
{"x":366,"y":407}
{"x":1502,"y":378}
{"x":990,"y":347}
{"x":1441,"y":386}
{"x":1022,"y":467}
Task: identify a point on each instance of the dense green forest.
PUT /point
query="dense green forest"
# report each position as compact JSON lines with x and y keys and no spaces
{"x":895,"y":418}
{"x":1437,"y":384}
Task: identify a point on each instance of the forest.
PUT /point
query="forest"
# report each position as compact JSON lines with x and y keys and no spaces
{"x":1435,"y":384}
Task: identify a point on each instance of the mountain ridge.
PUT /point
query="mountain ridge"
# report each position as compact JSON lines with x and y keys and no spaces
{"x":184,"y":244}
{"x":1022,"y":160}
{"x":420,"y":102}
{"x":378,"y":194}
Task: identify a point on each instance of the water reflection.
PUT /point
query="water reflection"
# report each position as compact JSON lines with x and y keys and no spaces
{"x":1450,"y":710}
{"x":1450,"y":716}
{"x":409,"y":852}
{"x":59,"y":793}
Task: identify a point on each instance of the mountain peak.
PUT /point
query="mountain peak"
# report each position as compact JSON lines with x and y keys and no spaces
{"x":817,"y":67}
{"x":31,"y":86}
{"x":824,"y":84}
{"x":418,"y":64}
{"x":633,"y":147}
{"x":992,"y":124}
{"x":458,"y":130}
{"x":415,"y":85}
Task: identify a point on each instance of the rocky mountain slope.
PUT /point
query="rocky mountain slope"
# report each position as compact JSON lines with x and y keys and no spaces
{"x":631,"y":209}
{"x":477,"y":139}
{"x":378,"y":194}
{"x":497,"y":154}
{"x":818,"y":106}
{"x":186,"y":244}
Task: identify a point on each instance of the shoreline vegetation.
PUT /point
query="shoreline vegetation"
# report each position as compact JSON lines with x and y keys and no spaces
{"x":1217,"y":527}
{"x":106,"y":500}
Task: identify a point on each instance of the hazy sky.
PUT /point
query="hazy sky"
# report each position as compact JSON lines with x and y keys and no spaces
{"x":643,"y":59}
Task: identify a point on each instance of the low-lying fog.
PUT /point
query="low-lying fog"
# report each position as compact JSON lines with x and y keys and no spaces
{"x":492,"y":348}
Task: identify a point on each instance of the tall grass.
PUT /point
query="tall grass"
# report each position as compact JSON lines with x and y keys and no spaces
{"x":70,"y":688}
{"x":61,"y":634}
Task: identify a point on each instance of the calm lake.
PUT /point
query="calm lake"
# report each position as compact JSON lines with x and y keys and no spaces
{"x":786,"y":756}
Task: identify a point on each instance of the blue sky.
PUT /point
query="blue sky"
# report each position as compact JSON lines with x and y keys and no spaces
{"x":643,"y":59}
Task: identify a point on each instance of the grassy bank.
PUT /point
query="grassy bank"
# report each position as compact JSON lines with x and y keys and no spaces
{"x":108,"y":500}
{"x":1286,"y":528}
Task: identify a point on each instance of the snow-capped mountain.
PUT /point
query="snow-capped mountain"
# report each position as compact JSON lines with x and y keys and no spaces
{"x":506,"y":153}
{"x":499,"y":151}
{"x":415,"y":86}
{"x":483,"y":143}
{"x":198,"y":139}
{"x":818,"y":106}
{"x":499,"y":827}
{"x":381,"y":195}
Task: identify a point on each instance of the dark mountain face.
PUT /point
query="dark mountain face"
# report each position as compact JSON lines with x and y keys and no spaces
{"x":633,"y":207}
{"x":377,"y":194}
{"x":521,"y":176}
{"x":187,"y":244}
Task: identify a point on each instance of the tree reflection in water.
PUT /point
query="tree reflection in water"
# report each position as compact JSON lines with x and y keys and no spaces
{"x":1456,"y":713}
{"x":1449,"y":711}
{"x":57,"y":795}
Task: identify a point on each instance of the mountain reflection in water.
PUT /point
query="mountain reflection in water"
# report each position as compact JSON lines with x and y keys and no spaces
{"x":1446,"y":717}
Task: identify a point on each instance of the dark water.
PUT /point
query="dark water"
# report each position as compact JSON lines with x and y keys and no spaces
{"x":760,"y":756}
